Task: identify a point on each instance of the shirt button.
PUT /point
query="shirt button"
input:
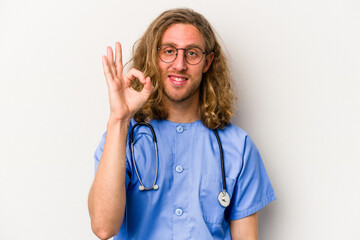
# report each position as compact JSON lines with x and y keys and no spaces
{"x":178,"y":211}
{"x":179,"y":129}
{"x":179,"y":168}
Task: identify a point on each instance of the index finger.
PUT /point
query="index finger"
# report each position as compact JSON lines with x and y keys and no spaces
{"x":107,"y":70}
{"x":118,"y":59}
{"x":132,"y":74}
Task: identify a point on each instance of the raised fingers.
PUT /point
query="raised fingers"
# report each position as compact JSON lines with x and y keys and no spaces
{"x":118,"y":59}
{"x":110,"y":57}
{"x":107,"y":71}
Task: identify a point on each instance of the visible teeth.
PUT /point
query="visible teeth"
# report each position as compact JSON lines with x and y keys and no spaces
{"x":178,"y":79}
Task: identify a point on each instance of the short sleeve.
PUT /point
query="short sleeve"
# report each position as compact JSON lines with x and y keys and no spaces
{"x":253,"y":189}
{"x":97,"y":156}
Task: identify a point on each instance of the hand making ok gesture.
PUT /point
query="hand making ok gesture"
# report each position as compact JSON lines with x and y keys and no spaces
{"x":124,"y":100}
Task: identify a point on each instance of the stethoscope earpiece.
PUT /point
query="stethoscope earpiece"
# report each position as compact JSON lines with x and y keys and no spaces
{"x":155,"y":187}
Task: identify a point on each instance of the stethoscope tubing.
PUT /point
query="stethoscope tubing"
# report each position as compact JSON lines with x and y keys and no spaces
{"x":223,"y":197}
{"x":222,"y":160}
{"x":142,"y":187}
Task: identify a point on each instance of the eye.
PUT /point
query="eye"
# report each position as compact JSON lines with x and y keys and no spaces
{"x":193,"y":52}
{"x":168,"y":51}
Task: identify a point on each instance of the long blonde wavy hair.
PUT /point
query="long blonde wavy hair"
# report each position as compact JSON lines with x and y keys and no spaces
{"x":216,"y":96}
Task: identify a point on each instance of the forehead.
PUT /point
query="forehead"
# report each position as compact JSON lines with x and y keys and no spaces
{"x":183,"y":35}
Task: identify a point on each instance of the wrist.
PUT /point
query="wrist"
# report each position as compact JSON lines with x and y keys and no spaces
{"x":115,"y":123}
{"x":117,"y":119}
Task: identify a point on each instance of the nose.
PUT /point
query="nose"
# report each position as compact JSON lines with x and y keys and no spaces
{"x":180,"y":63}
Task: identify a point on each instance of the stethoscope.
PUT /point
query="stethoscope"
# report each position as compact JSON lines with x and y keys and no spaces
{"x":223,"y":197}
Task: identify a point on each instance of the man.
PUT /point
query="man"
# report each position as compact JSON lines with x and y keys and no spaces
{"x":179,"y":84}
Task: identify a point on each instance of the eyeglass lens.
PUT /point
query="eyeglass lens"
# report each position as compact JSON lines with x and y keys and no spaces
{"x":193,"y":55}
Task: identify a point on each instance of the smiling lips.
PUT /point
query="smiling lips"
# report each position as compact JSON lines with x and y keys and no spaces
{"x":177,"y":80}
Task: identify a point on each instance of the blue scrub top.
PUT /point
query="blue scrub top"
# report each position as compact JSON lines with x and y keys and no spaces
{"x":189,"y":177}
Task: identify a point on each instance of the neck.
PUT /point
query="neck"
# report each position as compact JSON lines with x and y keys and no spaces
{"x":182,"y":112}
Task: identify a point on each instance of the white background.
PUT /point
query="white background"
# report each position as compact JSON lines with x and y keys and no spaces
{"x":296,"y":66}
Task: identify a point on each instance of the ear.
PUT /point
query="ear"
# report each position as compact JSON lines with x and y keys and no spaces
{"x":208,"y":60}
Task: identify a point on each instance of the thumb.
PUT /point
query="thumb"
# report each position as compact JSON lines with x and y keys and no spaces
{"x":148,"y":88}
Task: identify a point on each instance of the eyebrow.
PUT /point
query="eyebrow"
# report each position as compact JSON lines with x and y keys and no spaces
{"x":175,"y":45}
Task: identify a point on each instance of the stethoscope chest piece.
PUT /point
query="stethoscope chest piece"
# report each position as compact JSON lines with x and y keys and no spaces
{"x":224,"y":198}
